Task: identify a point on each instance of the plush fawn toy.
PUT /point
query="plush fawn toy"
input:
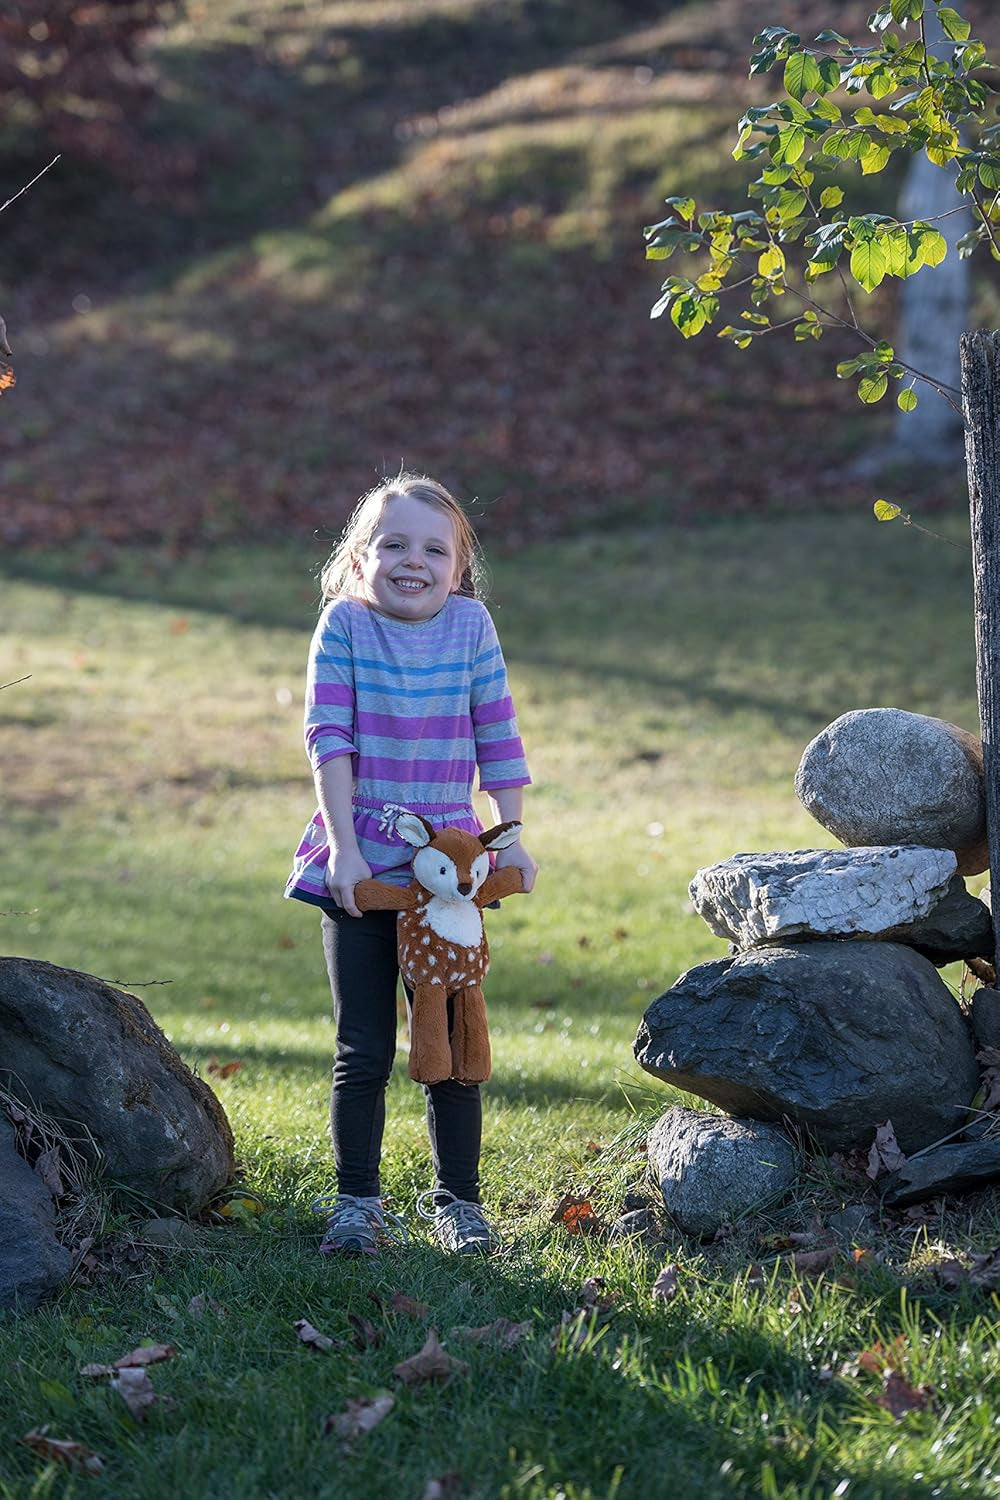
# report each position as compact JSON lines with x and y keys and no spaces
{"x":443,"y":952}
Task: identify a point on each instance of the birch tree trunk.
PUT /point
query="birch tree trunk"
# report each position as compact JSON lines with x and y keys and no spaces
{"x":980,"y":356}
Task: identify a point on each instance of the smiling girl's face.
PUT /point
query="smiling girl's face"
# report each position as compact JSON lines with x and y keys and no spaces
{"x":411,"y":563}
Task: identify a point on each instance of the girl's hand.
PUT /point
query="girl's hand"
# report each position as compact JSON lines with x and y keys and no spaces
{"x":517,"y":855}
{"x":345,"y":869}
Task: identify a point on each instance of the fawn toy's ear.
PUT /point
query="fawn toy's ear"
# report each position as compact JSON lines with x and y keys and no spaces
{"x":414,"y":829}
{"x":501,"y":836}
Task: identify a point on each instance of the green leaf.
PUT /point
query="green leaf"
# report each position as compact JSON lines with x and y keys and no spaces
{"x":989,"y":174}
{"x":933,"y":245}
{"x":684,"y":206}
{"x":849,"y":367}
{"x":955,"y":27}
{"x":829,"y":75}
{"x":771,"y":262}
{"x":881,"y":83}
{"x":874,"y":158}
{"x":869,"y":263}
{"x":906,"y":10}
{"x":788,"y":145}
{"x":831,"y":196}
{"x":886,"y":511}
{"x":872,"y":388}
{"x":907,"y":400}
{"x":802,"y":74}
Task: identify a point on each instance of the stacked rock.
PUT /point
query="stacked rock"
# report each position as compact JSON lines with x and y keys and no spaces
{"x":829,"y":1013}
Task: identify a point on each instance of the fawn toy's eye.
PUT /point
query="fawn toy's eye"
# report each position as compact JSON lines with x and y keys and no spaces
{"x":443,"y":870}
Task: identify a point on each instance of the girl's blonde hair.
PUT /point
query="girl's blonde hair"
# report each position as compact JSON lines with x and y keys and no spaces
{"x":339,"y":577}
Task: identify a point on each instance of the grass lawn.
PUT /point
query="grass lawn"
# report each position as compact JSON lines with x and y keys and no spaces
{"x":667,"y":679}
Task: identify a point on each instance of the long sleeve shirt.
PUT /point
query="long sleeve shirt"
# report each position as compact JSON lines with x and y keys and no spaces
{"x":419,"y":706}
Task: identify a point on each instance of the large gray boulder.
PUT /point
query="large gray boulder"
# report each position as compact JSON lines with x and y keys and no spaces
{"x":89,"y":1055}
{"x":713,"y":1170}
{"x":885,"y":776}
{"x":837,"y":1037}
{"x":32,"y":1261}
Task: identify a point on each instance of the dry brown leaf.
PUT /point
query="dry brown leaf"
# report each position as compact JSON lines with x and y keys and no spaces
{"x":223,"y":1070}
{"x":359,"y":1417}
{"x":756,"y":1278}
{"x":885,"y":1154}
{"x":665,"y":1286}
{"x":432,"y":1363}
{"x":200,"y":1305}
{"x":443,"y":1486}
{"x":366,"y":1335}
{"x":408,"y":1306}
{"x":502,"y":1331}
{"x":594,"y":1293}
{"x":7,"y":380}
{"x":576,"y":1215}
{"x":134,"y":1386}
{"x":899,"y":1396}
{"x":881,"y":1357}
{"x":813,"y":1262}
{"x":312,"y":1338}
{"x":48,"y":1167}
{"x":72,"y":1455}
{"x":136,"y":1359}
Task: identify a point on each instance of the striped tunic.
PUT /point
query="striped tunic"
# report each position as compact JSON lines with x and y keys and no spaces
{"x":418,"y":705}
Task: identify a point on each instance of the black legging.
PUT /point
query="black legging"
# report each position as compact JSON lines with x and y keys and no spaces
{"x":363,"y":968}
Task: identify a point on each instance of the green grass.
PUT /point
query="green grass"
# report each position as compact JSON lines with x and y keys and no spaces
{"x":667,"y":682}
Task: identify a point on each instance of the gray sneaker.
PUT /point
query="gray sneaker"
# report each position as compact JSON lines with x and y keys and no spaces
{"x":458,"y":1224}
{"x":356,"y":1226}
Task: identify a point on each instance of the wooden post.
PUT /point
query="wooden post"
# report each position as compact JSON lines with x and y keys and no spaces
{"x":981,"y":397}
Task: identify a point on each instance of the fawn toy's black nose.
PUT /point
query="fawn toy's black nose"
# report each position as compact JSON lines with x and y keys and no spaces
{"x":464,"y":887}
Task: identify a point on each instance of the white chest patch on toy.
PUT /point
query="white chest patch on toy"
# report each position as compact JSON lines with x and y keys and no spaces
{"x":455,"y":921}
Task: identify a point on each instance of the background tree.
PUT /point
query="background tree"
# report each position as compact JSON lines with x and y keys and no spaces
{"x":842,"y":102}
{"x":850,"y":103}
{"x":73,"y":72}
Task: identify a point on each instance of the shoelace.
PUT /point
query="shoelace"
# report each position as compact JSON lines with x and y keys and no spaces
{"x":467,"y":1217}
{"x":352,"y":1212}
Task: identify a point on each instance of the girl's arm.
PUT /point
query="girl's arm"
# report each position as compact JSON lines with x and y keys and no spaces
{"x":507,"y":802}
{"x":334,"y":786}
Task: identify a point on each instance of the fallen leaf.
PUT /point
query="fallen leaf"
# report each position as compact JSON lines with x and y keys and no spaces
{"x":432,"y":1363}
{"x":359,"y":1417}
{"x":147,"y":1354}
{"x":756,"y":1277}
{"x":885,"y":1154}
{"x":136,"y":1359}
{"x":366,"y":1335}
{"x":665,"y":1286}
{"x":813,"y":1262}
{"x":7,"y":380}
{"x":200,"y":1305}
{"x":238,"y":1208}
{"x":881,"y":1357}
{"x":223,"y":1070}
{"x":443,"y":1486}
{"x":311,"y":1337}
{"x":408,"y":1306}
{"x":594,"y":1147}
{"x":576,"y":1215}
{"x":594,"y":1293}
{"x":502,"y":1332}
{"x":899,"y":1396}
{"x":49,"y":1168}
{"x":71,"y":1455}
{"x":134,"y":1386}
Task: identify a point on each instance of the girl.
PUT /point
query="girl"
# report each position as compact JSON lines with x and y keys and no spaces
{"x":406,"y":695}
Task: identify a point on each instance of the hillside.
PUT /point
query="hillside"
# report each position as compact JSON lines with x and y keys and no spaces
{"x":400,"y":233}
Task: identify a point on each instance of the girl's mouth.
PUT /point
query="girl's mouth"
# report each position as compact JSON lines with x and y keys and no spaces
{"x":409,"y":585}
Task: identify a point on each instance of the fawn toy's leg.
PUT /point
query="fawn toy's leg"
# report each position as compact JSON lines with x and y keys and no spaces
{"x":430,"y":1053}
{"x":470,"y":1037}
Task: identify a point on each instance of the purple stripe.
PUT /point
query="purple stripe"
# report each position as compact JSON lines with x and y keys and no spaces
{"x":317,"y":732}
{"x":398,"y":727}
{"x":333,"y":692}
{"x":498,"y":786}
{"x":321,"y":760}
{"x":491,"y":750}
{"x":493,"y":713}
{"x":405,"y":772}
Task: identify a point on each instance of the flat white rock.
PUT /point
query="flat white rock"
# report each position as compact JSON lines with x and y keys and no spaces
{"x":820,"y":893}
